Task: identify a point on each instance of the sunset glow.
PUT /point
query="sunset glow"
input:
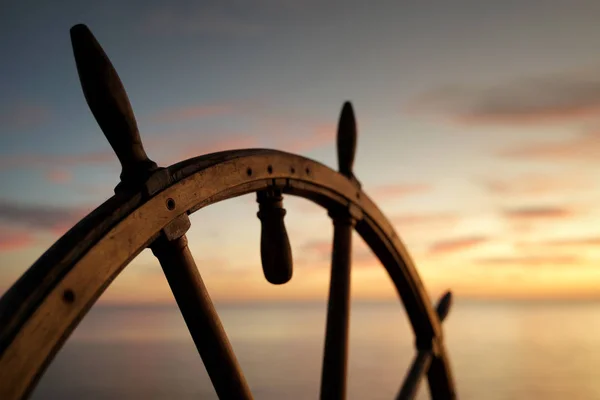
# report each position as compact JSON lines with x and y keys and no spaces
{"x":481,"y":146}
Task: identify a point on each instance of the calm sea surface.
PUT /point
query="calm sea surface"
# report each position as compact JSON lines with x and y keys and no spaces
{"x":498,"y":351}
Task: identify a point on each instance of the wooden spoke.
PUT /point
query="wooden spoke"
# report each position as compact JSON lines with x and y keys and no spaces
{"x":201,"y":318}
{"x":110,"y":105}
{"x":418,"y":369}
{"x":423,"y":360}
{"x":333,"y":377}
{"x":335,"y":358}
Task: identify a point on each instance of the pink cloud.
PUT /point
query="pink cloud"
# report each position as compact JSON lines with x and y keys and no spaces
{"x":56,"y":220}
{"x":59,"y":176}
{"x":11,"y":239}
{"x":319,"y":135}
{"x":362,"y":256}
{"x":456,"y":245}
{"x":100,"y":157}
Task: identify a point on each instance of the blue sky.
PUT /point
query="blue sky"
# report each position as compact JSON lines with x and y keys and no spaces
{"x":477,"y":130}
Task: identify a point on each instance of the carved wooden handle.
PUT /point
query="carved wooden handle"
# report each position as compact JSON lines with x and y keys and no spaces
{"x":443,"y":306}
{"x":108,"y":101}
{"x":275,"y":250}
{"x":346,"y":140}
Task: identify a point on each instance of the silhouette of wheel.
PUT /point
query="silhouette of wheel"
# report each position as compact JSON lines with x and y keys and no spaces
{"x":150,"y":209}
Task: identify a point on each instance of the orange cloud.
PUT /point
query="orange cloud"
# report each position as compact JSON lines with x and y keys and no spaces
{"x":537,"y":213}
{"x":456,"y":245}
{"x":424,"y":220}
{"x":571,"y":242}
{"x":531,"y":185}
{"x":321,"y":248}
{"x":398,"y":190}
{"x":534,"y":261}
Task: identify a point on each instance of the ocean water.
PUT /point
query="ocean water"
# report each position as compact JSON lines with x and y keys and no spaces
{"x":498,"y":350}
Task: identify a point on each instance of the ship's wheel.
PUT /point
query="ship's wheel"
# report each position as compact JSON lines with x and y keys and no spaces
{"x":150,"y":208}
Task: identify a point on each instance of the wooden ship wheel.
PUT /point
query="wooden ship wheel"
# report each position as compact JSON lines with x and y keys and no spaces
{"x":150,"y":208}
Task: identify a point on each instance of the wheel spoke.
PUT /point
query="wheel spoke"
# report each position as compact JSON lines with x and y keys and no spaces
{"x":426,"y":362}
{"x":333,"y":381}
{"x":412,"y":381}
{"x":201,"y":318}
{"x":335,"y":358}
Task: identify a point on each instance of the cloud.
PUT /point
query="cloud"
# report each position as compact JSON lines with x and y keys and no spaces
{"x":362,"y":256}
{"x":322,"y":248}
{"x":424,"y":220}
{"x":320,"y":135}
{"x":536,"y":213}
{"x":38,"y":217}
{"x":23,"y":116}
{"x":398,"y":190}
{"x":43,"y":160}
{"x":531,"y":185}
{"x":456,"y":245}
{"x":591,"y":241}
{"x":533,"y":261}
{"x":11,"y":240}
{"x":569,"y":96}
{"x":583,"y":147}
{"x":192,"y":112}
{"x":59,"y":176}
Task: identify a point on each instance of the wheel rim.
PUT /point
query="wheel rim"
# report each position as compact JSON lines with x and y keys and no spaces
{"x":197,"y":183}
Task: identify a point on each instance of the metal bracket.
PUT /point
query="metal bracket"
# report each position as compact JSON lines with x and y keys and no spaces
{"x":176,"y":228}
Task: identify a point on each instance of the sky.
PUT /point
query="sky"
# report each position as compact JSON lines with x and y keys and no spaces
{"x":478,"y":124}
